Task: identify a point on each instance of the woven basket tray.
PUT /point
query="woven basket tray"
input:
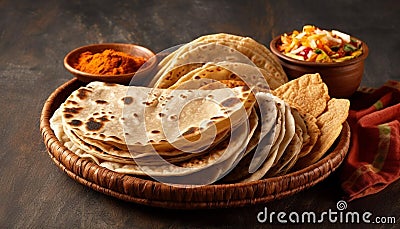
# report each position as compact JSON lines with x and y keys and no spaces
{"x":141,"y":191}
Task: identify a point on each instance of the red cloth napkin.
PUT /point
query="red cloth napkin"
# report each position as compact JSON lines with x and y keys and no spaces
{"x":373,"y":161}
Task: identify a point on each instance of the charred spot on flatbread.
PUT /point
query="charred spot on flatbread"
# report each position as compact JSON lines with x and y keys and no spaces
{"x":68,"y":116}
{"x":191,"y":130}
{"x":127,"y":100}
{"x":92,"y":125}
{"x":217,"y":117}
{"x":75,"y":122}
{"x":71,"y":102}
{"x":230,"y":102}
{"x":99,"y":101}
{"x":115,"y":137}
{"x":72,"y":110}
{"x":83,"y":93}
{"x":110,"y":84}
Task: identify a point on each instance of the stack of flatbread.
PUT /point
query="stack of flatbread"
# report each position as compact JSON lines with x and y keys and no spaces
{"x":219,"y":108}
{"x":308,"y":123}
{"x":156,"y":132}
{"x":226,"y":50}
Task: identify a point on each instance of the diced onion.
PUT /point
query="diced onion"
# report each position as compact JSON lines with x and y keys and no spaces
{"x":344,"y":36}
{"x":295,"y":51}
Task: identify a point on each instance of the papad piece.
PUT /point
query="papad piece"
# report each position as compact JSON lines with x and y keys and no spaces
{"x":313,"y":132}
{"x":307,"y":93}
{"x":330,"y":124}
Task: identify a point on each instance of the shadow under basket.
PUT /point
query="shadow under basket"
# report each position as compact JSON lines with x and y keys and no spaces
{"x":152,"y":193}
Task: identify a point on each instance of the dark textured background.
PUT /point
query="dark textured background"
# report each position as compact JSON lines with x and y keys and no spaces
{"x":36,"y":35}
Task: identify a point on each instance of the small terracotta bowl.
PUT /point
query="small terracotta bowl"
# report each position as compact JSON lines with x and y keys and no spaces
{"x":135,"y":50}
{"x":342,"y":78}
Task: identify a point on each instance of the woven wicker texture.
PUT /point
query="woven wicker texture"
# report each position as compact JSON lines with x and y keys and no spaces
{"x":152,"y":193}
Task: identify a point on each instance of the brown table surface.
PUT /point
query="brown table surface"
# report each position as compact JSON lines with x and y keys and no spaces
{"x":35,"y":36}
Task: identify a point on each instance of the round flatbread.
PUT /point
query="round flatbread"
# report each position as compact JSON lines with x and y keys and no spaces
{"x":257,"y":52}
{"x":217,"y":48}
{"x":142,"y":118}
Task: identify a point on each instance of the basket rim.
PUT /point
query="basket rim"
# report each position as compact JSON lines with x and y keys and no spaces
{"x":135,"y":189}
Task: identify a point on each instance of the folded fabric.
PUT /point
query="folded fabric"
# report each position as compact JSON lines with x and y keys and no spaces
{"x":373,"y":161}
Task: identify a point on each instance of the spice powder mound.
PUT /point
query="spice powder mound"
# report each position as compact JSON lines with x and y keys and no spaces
{"x":108,"y":62}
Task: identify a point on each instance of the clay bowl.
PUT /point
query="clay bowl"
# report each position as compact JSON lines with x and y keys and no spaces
{"x":135,"y":50}
{"x":342,"y":78}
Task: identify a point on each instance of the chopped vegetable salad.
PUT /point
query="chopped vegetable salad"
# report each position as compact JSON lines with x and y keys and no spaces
{"x":317,"y":45}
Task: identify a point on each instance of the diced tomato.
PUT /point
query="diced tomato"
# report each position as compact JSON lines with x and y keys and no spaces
{"x":304,"y":53}
{"x":341,"y":52}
